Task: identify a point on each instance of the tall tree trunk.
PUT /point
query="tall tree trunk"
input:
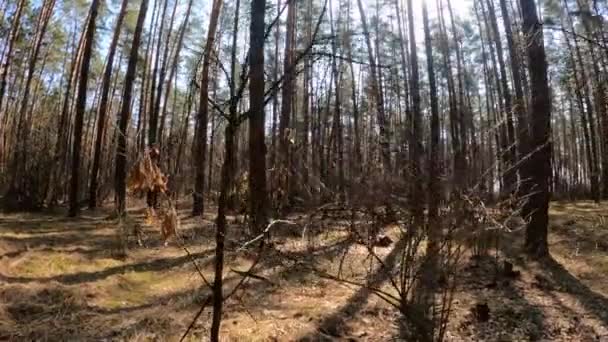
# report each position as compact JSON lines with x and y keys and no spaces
{"x":257,"y":146}
{"x":583,"y":92}
{"x":538,"y":202}
{"x":415,"y":136}
{"x":599,"y":96}
{"x":162,"y":78}
{"x":103,"y":106}
{"x":509,"y":175}
{"x":457,"y":150}
{"x":519,"y":105}
{"x":286,"y":105}
{"x":462,"y":109}
{"x":380,"y":113}
{"x":60,"y":153}
{"x":306,"y":101}
{"x":275,"y":99}
{"x":434,"y":163}
{"x":173,"y":69}
{"x":434,"y":186}
{"x":227,"y":177}
{"x":202,"y":118}
{"x":123,"y":125}
{"x":12,"y":38}
{"x":337,"y":117}
{"x":357,"y":159}
{"x":19,"y":170}
{"x":153,"y":128}
{"x":80,"y":108}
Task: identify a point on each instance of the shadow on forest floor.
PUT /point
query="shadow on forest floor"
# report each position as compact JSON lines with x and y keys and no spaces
{"x":59,"y":281}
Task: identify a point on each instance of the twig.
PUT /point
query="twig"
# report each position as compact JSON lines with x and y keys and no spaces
{"x":198,"y":314}
{"x":197,"y":268}
{"x":264,"y":232}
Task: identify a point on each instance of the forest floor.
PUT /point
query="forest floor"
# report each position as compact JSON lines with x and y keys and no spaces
{"x":60,"y":280}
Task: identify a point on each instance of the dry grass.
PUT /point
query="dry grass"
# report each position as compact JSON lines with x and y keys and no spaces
{"x":59,"y":281}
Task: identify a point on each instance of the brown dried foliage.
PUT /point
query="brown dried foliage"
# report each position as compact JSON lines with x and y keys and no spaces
{"x":146,"y":176}
{"x":169,"y":224}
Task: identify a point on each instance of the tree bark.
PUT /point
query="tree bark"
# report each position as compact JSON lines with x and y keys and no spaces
{"x":380,"y":113}
{"x":12,"y":38}
{"x":103,"y":106}
{"x":286,"y":105}
{"x":121,"y":150}
{"x":200,"y":141}
{"x":257,"y":146}
{"x":80,"y":108}
{"x":416,"y":194}
{"x":538,"y":202}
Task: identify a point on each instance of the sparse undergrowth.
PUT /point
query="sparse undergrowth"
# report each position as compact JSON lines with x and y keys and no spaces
{"x":59,"y":281}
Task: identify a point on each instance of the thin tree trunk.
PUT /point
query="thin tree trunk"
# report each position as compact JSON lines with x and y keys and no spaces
{"x":382,"y":122}
{"x":286,"y":106}
{"x":80,"y":108}
{"x":19,"y":170}
{"x":519,"y":105}
{"x":509,"y":175}
{"x":121,"y":151}
{"x":12,"y":38}
{"x":103,"y":106}
{"x":203,"y":115}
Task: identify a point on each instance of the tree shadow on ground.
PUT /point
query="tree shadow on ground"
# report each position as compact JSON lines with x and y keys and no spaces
{"x":334,"y":325}
{"x":592,"y":301}
{"x":158,"y":264}
{"x":559,"y":278}
{"x":510,"y":311}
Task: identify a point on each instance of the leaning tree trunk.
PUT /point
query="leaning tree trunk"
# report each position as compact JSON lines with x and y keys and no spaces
{"x":123,"y":125}
{"x":198,"y":205}
{"x":80,"y":108}
{"x":12,"y":38}
{"x":103,"y":106}
{"x":19,"y":167}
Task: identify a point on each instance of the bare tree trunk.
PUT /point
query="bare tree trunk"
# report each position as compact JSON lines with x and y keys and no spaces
{"x":173,"y":69}
{"x":337,"y":117}
{"x":382,"y":122}
{"x":416,"y":193}
{"x":153,"y":128}
{"x":80,"y":108}
{"x":19,"y":170}
{"x":538,"y":202}
{"x":103,"y":105}
{"x":584,"y":93}
{"x":203,"y":115}
{"x":286,"y":106}
{"x":519,"y":105}
{"x":510,"y":175}
{"x":357,"y":159}
{"x":12,"y":38}
{"x":457,"y":150}
{"x":121,"y":150}
{"x":257,"y":146}
{"x":434,"y":163}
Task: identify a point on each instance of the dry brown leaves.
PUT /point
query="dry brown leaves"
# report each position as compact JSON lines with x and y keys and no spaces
{"x":169,"y":224}
{"x":146,"y":176}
